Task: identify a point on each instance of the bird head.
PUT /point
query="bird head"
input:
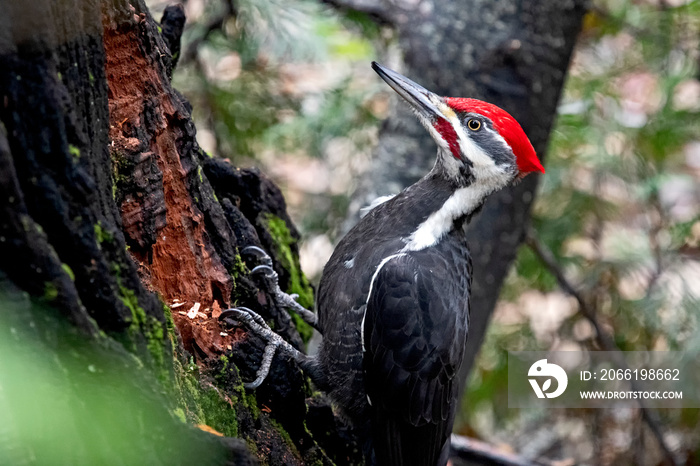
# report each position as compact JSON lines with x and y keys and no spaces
{"x":478,"y":141}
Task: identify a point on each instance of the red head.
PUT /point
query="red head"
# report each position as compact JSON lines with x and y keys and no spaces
{"x":506,"y":126}
{"x":481,"y":136}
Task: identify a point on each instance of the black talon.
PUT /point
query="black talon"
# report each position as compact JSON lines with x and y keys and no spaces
{"x":257,"y":254}
{"x":226,"y":314}
{"x":239,"y":311}
{"x":270,"y":272}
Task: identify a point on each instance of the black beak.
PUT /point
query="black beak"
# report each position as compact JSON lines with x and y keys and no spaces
{"x":419,"y":97}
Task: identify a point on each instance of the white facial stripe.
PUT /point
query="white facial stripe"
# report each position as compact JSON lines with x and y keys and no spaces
{"x":437,"y":137}
{"x":469,"y":148}
{"x":485,"y":168}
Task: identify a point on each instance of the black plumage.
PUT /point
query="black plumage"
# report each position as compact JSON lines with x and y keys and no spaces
{"x":415,"y":332}
{"x":415,"y":321}
{"x":393,"y":302}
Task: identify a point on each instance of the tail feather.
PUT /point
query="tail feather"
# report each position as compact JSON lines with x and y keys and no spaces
{"x":397,"y":442}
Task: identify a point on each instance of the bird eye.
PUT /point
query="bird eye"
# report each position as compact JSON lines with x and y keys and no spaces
{"x":474,"y":124}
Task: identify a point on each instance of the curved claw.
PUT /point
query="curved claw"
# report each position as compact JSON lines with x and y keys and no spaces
{"x":257,"y":253}
{"x":226,"y":313}
{"x":243,"y":315}
{"x":230,"y":313}
{"x":269,"y":271}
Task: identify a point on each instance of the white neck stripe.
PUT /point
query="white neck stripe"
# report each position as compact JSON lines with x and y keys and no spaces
{"x":439,"y":223}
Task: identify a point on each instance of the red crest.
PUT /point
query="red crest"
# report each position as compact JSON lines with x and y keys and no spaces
{"x":507,"y":127}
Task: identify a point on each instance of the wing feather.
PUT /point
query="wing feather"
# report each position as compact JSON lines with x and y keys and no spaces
{"x":415,"y":331}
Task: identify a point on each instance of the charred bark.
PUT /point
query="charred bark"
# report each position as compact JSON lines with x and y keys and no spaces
{"x":111,"y":212}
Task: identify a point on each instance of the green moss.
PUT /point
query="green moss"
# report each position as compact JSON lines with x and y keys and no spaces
{"x":218,"y":413}
{"x":26,"y":223}
{"x":103,"y":236}
{"x":120,"y":166}
{"x":150,"y":327}
{"x":252,"y":446}
{"x":298,"y":283}
{"x":60,"y":76}
{"x":180,"y":414}
{"x":204,"y":405}
{"x":128,"y":297}
{"x":285,"y":435}
{"x":155,"y":334}
{"x":305,"y":330}
{"x":187,"y":393}
{"x":224,"y":359}
{"x":91,"y":77}
{"x":68,"y":270}
{"x":222,"y":374}
{"x":199,"y":173}
{"x":251,"y":402}
{"x":50,"y":291}
{"x":239,"y":267}
{"x":170,"y":324}
{"x":74,"y":151}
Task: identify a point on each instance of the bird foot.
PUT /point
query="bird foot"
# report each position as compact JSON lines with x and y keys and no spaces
{"x":257,"y":325}
{"x":268,"y":275}
{"x":256,"y":254}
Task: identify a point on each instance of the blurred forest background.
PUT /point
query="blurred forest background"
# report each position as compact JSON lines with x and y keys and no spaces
{"x":286,"y":85}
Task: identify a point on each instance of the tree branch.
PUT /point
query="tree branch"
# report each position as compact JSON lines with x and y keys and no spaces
{"x":604,"y":339}
{"x":476,"y":452}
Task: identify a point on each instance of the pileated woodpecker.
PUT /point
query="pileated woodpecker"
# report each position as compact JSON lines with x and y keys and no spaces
{"x":393,"y":301}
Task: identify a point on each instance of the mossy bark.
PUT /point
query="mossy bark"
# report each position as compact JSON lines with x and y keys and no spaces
{"x":111,"y":216}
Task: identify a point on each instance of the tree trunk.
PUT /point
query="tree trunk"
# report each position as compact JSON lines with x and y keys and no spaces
{"x":512,"y":53}
{"x":115,"y":225}
{"x":110,"y":213}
